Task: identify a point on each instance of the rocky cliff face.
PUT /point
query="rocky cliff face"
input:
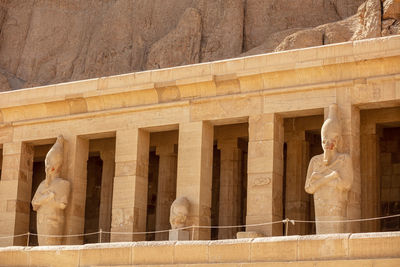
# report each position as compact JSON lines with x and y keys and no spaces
{"x":47,"y":41}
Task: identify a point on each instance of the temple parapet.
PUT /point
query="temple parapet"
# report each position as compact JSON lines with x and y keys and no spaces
{"x":374,"y":249}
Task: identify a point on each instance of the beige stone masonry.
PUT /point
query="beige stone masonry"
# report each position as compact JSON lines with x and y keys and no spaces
{"x":15,"y":192}
{"x":265,"y":171}
{"x":108,"y":159}
{"x":373,"y":249}
{"x":259,"y":91}
{"x":230,"y":187}
{"x":166,"y":143}
{"x":283,"y":71}
{"x":194,"y":178}
{"x":75,"y":170}
{"x":350,"y":123}
{"x":166,"y":191}
{"x":129,"y":205}
{"x":107,"y":155}
{"x":371,"y":120}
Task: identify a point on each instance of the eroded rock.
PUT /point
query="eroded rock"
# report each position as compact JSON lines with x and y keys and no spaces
{"x":179,"y":47}
{"x":222,"y":35}
{"x":366,"y":23}
{"x":45,"y":42}
{"x":4,"y":86}
{"x":391,"y":9}
{"x":369,"y":20}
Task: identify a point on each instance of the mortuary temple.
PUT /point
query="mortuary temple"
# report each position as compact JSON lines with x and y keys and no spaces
{"x":256,"y":160}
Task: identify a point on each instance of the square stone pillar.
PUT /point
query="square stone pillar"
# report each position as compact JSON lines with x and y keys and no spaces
{"x":129,"y":207}
{"x":230,"y":187}
{"x":349,"y":116}
{"x":15,"y":192}
{"x":166,"y":189}
{"x":194,"y":180}
{"x":76,"y":153}
{"x":107,"y":178}
{"x":297,"y":200}
{"x":265,"y":172}
{"x":370,"y":190}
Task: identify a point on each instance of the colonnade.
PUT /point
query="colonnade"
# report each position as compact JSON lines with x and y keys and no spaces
{"x":185,"y":169}
{"x":264,"y":91}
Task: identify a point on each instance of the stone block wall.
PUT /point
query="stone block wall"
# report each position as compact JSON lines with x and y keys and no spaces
{"x":356,"y":250}
{"x":390,"y":177}
{"x":194,"y":101}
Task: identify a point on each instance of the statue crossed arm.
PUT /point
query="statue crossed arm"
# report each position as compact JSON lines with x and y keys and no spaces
{"x":41,"y":198}
{"x":329,"y":178}
{"x":44,"y":196}
{"x":51,"y":198}
{"x":317,"y":176}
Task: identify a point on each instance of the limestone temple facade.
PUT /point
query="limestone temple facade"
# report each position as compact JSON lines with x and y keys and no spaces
{"x":233,"y":137}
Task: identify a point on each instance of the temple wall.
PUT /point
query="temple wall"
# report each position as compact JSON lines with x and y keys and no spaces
{"x":184,"y":113}
{"x":372,"y":249}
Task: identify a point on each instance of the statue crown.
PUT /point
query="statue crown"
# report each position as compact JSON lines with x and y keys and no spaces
{"x":55,"y":155}
{"x":331,"y":124}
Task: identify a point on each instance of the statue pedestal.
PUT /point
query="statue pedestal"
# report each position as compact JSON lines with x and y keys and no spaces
{"x":177,"y":235}
{"x":249,"y":234}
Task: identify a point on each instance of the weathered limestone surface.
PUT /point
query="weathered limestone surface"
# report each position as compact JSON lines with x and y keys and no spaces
{"x":366,"y":23}
{"x":376,"y":167}
{"x":181,"y":46}
{"x":166,"y":190}
{"x":260,"y":92}
{"x":165,"y":144}
{"x":129,"y":206}
{"x":195,"y":173}
{"x":265,"y":171}
{"x":51,"y":198}
{"x":179,"y":212}
{"x":230,"y":187}
{"x":48,"y":42}
{"x":330,"y":177}
{"x":77,"y":151}
{"x":375,"y":249}
{"x":391,"y":9}
{"x":106,"y":149}
{"x":15,"y":193}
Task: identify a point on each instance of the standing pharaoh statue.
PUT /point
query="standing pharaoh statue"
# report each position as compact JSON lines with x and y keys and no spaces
{"x":51,"y":198}
{"x":329,"y":178}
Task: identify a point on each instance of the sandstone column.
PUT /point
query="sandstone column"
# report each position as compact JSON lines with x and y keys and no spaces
{"x":75,"y":171}
{"x":229,"y":194}
{"x":129,"y":207}
{"x":265,"y":171}
{"x":15,"y":192}
{"x":107,"y":178}
{"x":166,"y":190}
{"x":370,"y":178}
{"x":194,"y":179}
{"x":350,"y":119}
{"x":297,"y":200}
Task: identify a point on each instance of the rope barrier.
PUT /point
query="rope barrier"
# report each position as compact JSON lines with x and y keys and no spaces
{"x":285,"y":221}
{"x":353,"y":220}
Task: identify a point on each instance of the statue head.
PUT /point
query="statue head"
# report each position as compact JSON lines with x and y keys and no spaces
{"x":54,"y":158}
{"x":179,"y":212}
{"x":331,"y":131}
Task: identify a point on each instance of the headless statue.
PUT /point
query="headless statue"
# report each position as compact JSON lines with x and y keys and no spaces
{"x":51,"y":198}
{"x":329,"y":178}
